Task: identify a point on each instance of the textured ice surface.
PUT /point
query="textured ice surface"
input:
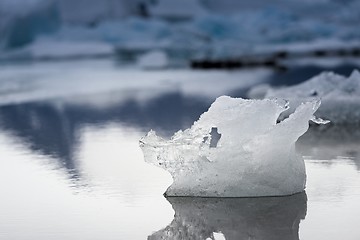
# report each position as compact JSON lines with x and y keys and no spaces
{"x":236,"y":149}
{"x":340,"y":96}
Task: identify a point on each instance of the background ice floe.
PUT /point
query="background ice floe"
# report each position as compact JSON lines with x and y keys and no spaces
{"x":340,"y":95}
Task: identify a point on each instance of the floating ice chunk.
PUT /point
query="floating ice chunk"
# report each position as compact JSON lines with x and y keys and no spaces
{"x":252,"y":155}
{"x":340,"y":96}
{"x":153,"y":59}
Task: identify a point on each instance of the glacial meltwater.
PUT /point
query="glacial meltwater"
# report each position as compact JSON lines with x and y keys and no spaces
{"x":71,"y":166}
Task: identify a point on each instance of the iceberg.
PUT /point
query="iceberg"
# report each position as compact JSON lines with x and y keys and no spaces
{"x":235,"y":149}
{"x":340,"y":96}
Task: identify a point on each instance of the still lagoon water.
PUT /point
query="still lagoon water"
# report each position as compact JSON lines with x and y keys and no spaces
{"x":71,"y":166}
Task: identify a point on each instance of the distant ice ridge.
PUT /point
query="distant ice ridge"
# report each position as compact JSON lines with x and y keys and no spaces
{"x":340,"y":96}
{"x":235,"y":149}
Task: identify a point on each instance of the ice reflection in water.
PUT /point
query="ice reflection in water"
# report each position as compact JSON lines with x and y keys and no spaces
{"x":236,"y":218}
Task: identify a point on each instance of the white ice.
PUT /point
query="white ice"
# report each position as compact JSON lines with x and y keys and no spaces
{"x":340,"y":96}
{"x":235,"y":149}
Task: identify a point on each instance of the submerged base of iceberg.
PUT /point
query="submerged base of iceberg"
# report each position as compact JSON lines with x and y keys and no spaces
{"x":236,"y":149}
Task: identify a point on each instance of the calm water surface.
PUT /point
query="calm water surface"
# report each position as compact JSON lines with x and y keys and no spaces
{"x":71,"y":167}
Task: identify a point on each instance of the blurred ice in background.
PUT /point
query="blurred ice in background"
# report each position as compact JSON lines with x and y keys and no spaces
{"x":184,"y":30}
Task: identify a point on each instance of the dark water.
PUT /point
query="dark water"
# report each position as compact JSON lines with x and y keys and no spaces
{"x":71,"y":167}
